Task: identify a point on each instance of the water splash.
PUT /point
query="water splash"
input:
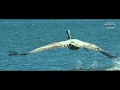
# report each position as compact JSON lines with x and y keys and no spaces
{"x":79,"y":65}
{"x":94,"y":66}
{"x":116,"y":65}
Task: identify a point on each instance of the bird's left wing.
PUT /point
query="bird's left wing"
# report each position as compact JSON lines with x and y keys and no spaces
{"x":48,"y":47}
{"x":61,"y":44}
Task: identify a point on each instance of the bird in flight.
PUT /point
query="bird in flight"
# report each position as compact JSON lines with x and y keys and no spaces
{"x":72,"y":44}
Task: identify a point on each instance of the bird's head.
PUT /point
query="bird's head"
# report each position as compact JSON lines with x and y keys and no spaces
{"x":68,"y":31}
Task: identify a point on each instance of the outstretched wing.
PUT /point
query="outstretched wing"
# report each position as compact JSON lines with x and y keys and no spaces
{"x":62,"y":44}
{"x":109,"y":55}
{"x":95,"y":47}
{"x":49,"y":46}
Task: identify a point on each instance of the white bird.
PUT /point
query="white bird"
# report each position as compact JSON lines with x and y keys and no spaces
{"x":72,"y":44}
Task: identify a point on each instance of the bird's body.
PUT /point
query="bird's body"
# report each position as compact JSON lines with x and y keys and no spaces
{"x":72,"y":44}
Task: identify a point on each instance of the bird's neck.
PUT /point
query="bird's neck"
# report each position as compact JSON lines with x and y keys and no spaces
{"x":69,"y":37}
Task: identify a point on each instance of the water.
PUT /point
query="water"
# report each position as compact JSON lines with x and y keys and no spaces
{"x":22,"y":35}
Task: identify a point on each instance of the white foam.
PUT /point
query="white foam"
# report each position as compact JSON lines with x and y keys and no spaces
{"x":79,"y":65}
{"x":94,"y":65}
{"x":116,"y":65}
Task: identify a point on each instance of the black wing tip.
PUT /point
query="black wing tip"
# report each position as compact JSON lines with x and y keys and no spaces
{"x":117,"y":55}
{"x":109,"y":55}
{"x":13,"y":54}
{"x":24,"y":54}
{"x":16,"y":54}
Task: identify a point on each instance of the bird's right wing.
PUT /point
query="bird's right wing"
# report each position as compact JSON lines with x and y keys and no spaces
{"x":109,"y":55}
{"x":95,"y":47}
